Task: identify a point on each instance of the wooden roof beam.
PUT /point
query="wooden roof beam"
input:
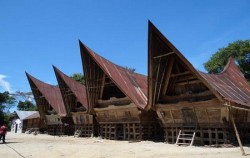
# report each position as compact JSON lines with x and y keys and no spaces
{"x":186,"y":78}
{"x":102,"y":85}
{"x":167,"y":78}
{"x":180,"y":74}
{"x":169,"y":53}
{"x":187,"y":83}
{"x":186,"y":96}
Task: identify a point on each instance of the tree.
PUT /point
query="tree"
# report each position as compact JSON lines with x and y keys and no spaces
{"x":23,"y":95}
{"x":6,"y":102}
{"x":130,"y":69}
{"x":78,"y":77}
{"x":239,"y":50}
{"x":26,"y":106}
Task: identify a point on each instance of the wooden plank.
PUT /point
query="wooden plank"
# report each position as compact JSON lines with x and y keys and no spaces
{"x":167,"y":54}
{"x":171,"y":114}
{"x":156,"y":80}
{"x":172,"y":130}
{"x":162,"y":77}
{"x":208,"y":103}
{"x":167,"y":78}
{"x":216,"y":137}
{"x":201,"y":136}
{"x":186,"y":96}
{"x":186,"y":78}
{"x":180,"y":74}
{"x":187,"y":83}
{"x":102,"y":85}
{"x":210,"y":136}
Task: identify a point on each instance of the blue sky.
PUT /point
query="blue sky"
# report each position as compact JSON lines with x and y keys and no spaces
{"x":35,"y":34}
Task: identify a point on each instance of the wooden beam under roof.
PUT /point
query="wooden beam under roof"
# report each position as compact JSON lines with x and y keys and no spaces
{"x":102,"y":85}
{"x":186,"y":78}
{"x":167,"y":78}
{"x":181,"y":74}
{"x":187,"y":82}
{"x":186,"y":96}
{"x":169,"y":53}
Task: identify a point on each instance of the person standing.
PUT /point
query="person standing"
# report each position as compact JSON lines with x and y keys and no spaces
{"x":3,"y":131}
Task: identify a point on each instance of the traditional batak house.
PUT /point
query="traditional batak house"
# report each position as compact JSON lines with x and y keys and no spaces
{"x":118,"y":98}
{"x":195,"y":106}
{"x":75,"y":101}
{"x":51,"y":107}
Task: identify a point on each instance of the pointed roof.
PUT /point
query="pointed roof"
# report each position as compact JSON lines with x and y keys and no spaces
{"x":230,"y":83}
{"x":160,"y":54}
{"x":77,"y":88}
{"x":131,"y":84}
{"x":51,"y":93}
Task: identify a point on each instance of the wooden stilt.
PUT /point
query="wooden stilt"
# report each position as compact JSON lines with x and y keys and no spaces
{"x":124,"y":132}
{"x":210,"y":136}
{"x":216,"y":137}
{"x":134,"y":132}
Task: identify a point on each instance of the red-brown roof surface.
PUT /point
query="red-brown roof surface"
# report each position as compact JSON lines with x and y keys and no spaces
{"x":230,"y":83}
{"x":77,"y":88}
{"x":131,"y":84}
{"x":51,"y":93}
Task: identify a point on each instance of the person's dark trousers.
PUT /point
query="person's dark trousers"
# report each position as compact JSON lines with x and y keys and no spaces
{"x":2,"y":136}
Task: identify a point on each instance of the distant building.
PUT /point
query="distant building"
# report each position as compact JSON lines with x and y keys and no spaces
{"x":24,"y":120}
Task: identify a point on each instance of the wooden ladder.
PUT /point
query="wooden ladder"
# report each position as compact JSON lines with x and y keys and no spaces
{"x":187,"y":139}
{"x":78,"y":133}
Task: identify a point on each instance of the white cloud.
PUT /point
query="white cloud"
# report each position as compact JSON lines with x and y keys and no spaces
{"x":5,"y":85}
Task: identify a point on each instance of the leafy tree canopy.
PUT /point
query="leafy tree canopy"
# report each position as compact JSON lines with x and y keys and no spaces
{"x":6,"y":101}
{"x":239,"y":50}
{"x":130,"y":69}
{"x":78,"y":77}
{"x":26,"y":106}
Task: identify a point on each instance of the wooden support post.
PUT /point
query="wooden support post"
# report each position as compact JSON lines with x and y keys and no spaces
{"x":156,"y":80}
{"x":225,"y":136}
{"x":105,"y":126}
{"x":167,"y":78}
{"x":202,"y":136}
{"x":134,"y":133}
{"x":141,"y":132}
{"x":210,"y":136}
{"x":173,"y":136}
{"x":236,"y":133}
{"x":124,"y":131}
{"x":216,"y":137}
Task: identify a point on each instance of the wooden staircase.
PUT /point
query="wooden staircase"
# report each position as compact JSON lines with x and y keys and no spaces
{"x":78,"y":133}
{"x":186,"y":137}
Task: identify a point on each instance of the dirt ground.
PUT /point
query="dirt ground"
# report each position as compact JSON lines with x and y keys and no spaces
{"x":45,"y":146}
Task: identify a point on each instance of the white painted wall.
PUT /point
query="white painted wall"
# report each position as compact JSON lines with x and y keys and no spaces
{"x":16,"y":126}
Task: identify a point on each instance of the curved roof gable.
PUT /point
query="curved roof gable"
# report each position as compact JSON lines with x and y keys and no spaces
{"x":131,"y":84}
{"x":77,"y":88}
{"x":230,"y":83}
{"x":51,"y":93}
